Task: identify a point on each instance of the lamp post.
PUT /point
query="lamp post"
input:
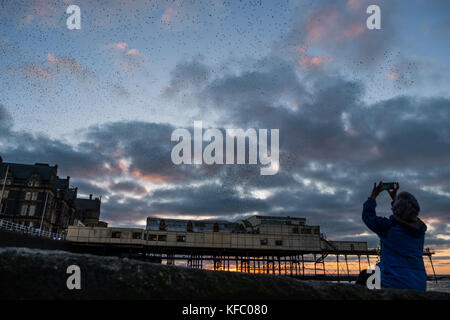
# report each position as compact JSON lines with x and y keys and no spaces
{"x":4,"y":183}
{"x":43,"y":214}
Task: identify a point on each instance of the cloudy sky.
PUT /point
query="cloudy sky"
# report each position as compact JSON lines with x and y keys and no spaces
{"x":353,"y":105}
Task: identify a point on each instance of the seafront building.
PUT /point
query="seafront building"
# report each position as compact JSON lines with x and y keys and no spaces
{"x":33,"y":195}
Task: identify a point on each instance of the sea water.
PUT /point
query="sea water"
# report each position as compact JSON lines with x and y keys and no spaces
{"x":442,"y":285}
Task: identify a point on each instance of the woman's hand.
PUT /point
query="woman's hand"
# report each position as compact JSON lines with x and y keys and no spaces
{"x":393,"y":192}
{"x":376,"y":190}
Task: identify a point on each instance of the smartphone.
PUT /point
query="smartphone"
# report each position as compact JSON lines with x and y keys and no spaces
{"x":387,"y":185}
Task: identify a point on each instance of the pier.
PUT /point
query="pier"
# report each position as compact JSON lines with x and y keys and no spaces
{"x":322,"y":259}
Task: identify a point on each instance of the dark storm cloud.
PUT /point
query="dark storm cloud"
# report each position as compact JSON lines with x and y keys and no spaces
{"x":333,"y":124}
{"x":128,"y":186}
{"x":186,"y":75}
{"x":27,"y":148}
{"x":398,"y":122}
{"x":209,"y":199}
{"x":98,"y":155}
{"x":85,"y":187}
{"x":147,"y":145}
{"x":124,"y":211}
{"x":266,"y":82}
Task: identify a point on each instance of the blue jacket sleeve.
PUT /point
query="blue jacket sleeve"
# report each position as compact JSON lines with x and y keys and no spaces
{"x":379,"y":225}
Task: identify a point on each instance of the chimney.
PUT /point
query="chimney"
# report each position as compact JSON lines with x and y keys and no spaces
{"x":90,"y":196}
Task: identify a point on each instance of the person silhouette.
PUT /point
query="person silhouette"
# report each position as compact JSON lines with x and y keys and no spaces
{"x":402,"y":239}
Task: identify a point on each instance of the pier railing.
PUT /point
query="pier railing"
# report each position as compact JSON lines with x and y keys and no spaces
{"x":16,"y":227}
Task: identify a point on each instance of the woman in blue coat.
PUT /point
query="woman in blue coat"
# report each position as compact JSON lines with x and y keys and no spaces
{"x":401,"y":237}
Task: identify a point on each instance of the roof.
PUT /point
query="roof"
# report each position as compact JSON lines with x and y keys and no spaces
{"x":280,"y":218}
{"x":24,"y":171}
{"x":197,"y":225}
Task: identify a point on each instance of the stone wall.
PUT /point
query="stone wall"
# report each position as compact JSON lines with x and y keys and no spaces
{"x":41,"y":274}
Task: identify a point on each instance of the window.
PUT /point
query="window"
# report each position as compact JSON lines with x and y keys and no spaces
{"x":33,"y":183}
{"x":27,"y":195}
{"x":137,"y":235}
{"x":32,"y":210}
{"x":216,"y":227}
{"x":189,"y":227}
{"x":115,"y":235}
{"x":278,"y":242}
{"x":24,"y":210}
{"x":316,"y":231}
{"x":152,"y":237}
{"x":162,"y":237}
{"x":264,"y":242}
{"x":306,"y":231}
{"x":8,"y":182}
{"x":181,"y":238}
{"x":34,"y":196}
{"x":295,"y":230}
